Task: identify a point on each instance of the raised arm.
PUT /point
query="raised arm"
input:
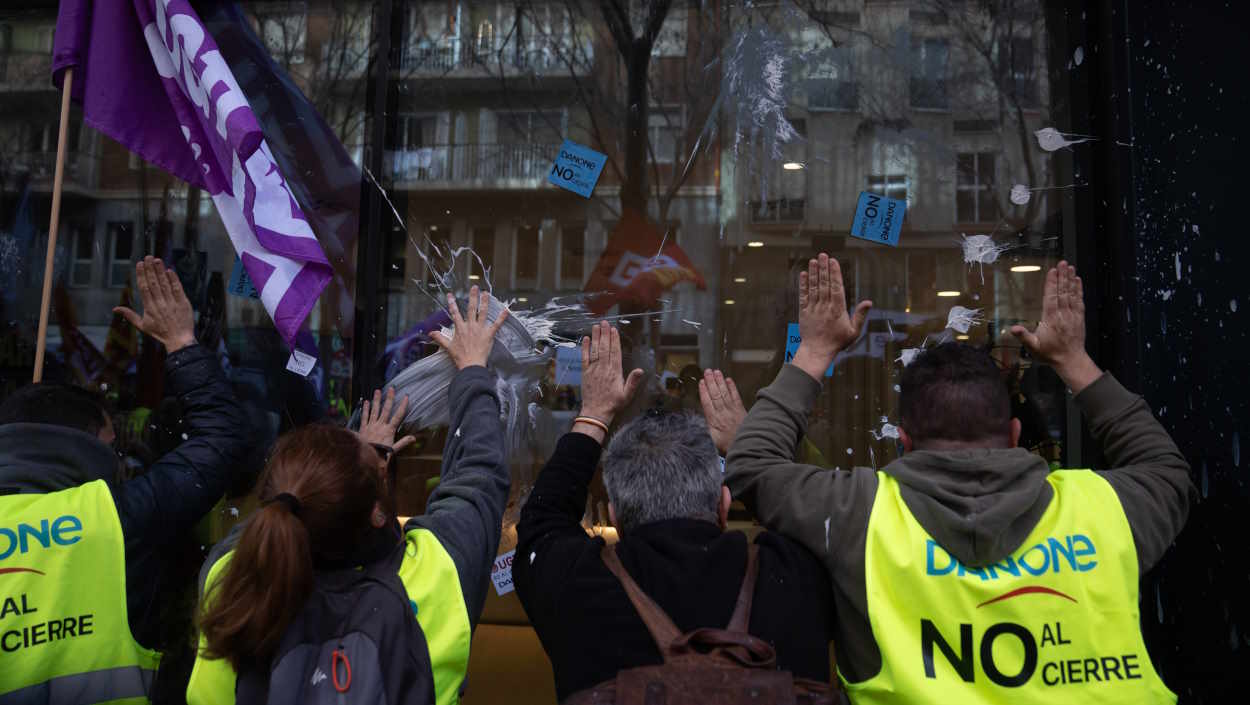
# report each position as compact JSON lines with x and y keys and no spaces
{"x":805,"y":501}
{"x":1148,"y":472}
{"x":550,"y":537}
{"x":163,"y":504}
{"x":465,"y":511}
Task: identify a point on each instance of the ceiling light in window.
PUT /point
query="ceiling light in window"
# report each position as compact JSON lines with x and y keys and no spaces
{"x":523,"y":300}
{"x":740,"y":280}
{"x":793,"y":166}
{"x":730,"y":302}
{"x":755,"y":243}
{"x":1022,"y":268}
{"x":474,"y":277}
{"x":948,"y":293}
{"x":961,"y":337}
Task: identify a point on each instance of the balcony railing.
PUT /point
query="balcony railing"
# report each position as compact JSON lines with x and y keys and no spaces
{"x":449,"y":55}
{"x":781,"y":210}
{"x":79,"y":166}
{"x":25,"y":70}
{"x":518,"y":165}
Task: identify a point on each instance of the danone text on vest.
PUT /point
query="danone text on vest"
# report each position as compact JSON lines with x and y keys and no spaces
{"x":1056,"y":620}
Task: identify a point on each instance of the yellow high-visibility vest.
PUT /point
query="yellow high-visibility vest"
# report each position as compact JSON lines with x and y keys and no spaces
{"x":64,"y":633}
{"x":1054,"y":622}
{"x":433,"y":585}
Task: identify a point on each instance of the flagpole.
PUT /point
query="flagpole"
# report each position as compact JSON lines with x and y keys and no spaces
{"x":41,"y":341}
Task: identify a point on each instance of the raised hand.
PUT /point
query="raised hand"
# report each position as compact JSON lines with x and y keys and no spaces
{"x":472,"y":337}
{"x":167,"y":314}
{"x":380,"y":421}
{"x":722,"y":407}
{"x":605,"y":391}
{"x":1059,"y":339}
{"x":825,"y":325}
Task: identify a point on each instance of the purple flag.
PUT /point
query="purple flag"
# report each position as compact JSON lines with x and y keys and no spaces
{"x":150,"y":76}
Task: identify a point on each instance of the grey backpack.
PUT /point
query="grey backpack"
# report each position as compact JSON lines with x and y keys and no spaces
{"x":356,"y":641}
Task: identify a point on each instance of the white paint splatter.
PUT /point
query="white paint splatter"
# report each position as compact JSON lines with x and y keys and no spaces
{"x":1078,"y":56}
{"x":982,"y":250}
{"x":887,"y":431}
{"x":1232,"y":305}
{"x":961,"y":319}
{"x":696,"y":324}
{"x":1020,"y":194}
{"x":1050,"y":139}
{"x":908,"y":355}
{"x":1166,"y":294}
{"x":827,"y":533}
{"x":533,"y":555}
{"x":1177,"y":259}
{"x":850,"y":451}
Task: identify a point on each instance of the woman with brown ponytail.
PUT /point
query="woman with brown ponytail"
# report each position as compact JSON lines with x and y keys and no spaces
{"x":325,"y":522}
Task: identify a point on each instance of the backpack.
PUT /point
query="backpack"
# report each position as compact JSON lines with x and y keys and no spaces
{"x":725,"y":666}
{"x":355,"y":642}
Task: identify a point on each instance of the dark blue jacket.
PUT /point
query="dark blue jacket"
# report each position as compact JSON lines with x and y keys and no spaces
{"x":159,"y":508}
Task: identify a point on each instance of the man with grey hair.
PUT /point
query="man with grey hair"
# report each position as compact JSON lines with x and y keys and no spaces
{"x":668,"y":502}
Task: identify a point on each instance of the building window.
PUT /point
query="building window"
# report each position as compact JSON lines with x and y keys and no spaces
{"x":665,"y":129}
{"x":84,"y":243}
{"x":671,"y":39}
{"x":525,"y":252}
{"x":928,"y":73}
{"x":832,"y":86}
{"x":572,"y":256}
{"x":889,"y":185}
{"x":1015,"y":66}
{"x":285,"y":36}
{"x":121,"y":239}
{"x":782,"y":186}
{"x":974,"y":188}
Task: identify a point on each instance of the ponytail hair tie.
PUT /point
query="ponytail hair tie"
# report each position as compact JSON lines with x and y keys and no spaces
{"x":291,"y":502}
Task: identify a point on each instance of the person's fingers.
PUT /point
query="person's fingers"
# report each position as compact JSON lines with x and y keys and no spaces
{"x":836,"y":291}
{"x":175,"y":287}
{"x":453,"y":308}
{"x":614,"y":348}
{"x":860,"y":315}
{"x":441,"y":340}
{"x":823,"y":295}
{"x":735,"y":399}
{"x":473,"y":304}
{"x":722,"y":391}
{"x":401,"y":410}
{"x":403,"y":443}
{"x":1024,"y":336}
{"x":1050,"y":294}
{"x":813,"y":282}
{"x":162,"y":283}
{"x":388,"y":401}
{"x":596,"y":338}
{"x":585,"y":351}
{"x":632,"y":383}
{"x":365,"y":418}
{"x":494,"y":327}
{"x":714,"y":394}
{"x":705,"y":397}
{"x":134,"y":318}
{"x":143,"y":276}
{"x":802,"y":290}
{"x":1078,"y":300}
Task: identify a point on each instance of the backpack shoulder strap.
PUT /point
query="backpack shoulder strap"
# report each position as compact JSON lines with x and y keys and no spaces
{"x":741,"y":619}
{"x":661,"y":626}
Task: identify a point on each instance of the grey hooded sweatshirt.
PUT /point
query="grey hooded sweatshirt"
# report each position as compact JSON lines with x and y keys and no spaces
{"x":979,"y":505}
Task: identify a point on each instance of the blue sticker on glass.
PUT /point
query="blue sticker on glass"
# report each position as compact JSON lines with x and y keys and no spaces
{"x":240,"y":283}
{"x":577,"y":168}
{"x":878,"y":218}
{"x":792,"y":345}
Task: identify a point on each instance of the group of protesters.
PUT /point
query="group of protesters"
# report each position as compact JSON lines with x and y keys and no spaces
{"x":967,"y":570}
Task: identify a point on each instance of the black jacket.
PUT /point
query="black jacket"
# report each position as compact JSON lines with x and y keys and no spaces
{"x":158,"y":508}
{"x":690,"y":567}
